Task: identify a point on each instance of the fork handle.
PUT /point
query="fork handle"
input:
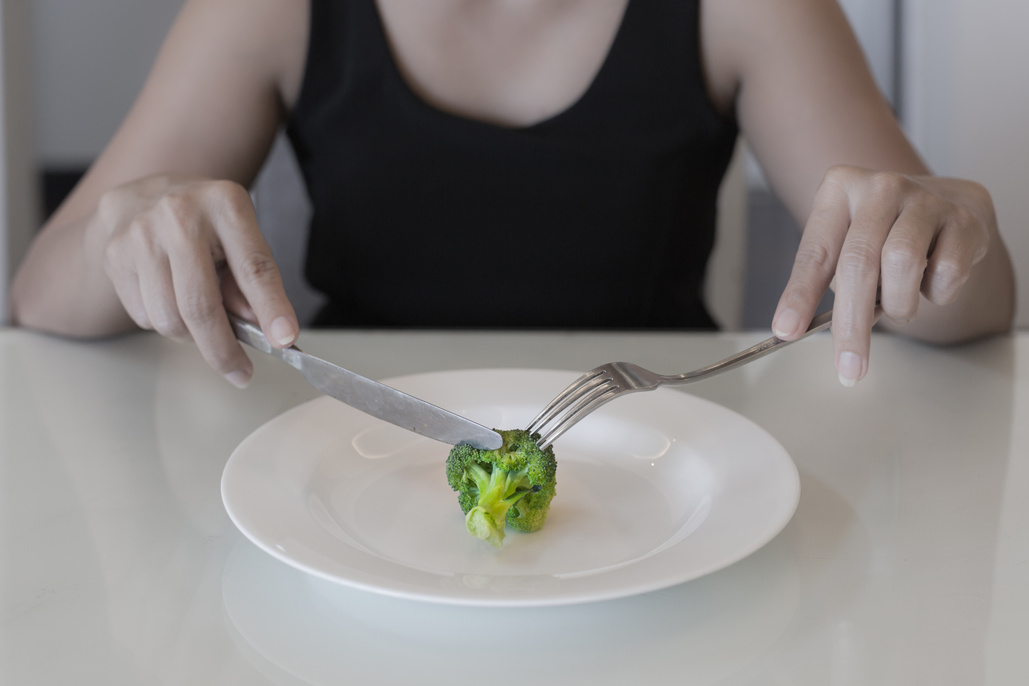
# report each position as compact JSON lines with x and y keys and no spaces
{"x":819,"y":323}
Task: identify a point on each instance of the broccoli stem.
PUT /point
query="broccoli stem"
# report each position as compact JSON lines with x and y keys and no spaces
{"x":498,"y":491}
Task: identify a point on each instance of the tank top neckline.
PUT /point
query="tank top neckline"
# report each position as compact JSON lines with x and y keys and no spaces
{"x":401,"y":84}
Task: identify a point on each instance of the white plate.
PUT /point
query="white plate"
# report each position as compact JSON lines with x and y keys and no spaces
{"x":653,"y":490}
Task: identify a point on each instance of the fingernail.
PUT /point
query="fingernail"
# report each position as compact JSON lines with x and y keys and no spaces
{"x":283,"y":332}
{"x":786,"y":323}
{"x":849,"y":368}
{"x":238,"y":378}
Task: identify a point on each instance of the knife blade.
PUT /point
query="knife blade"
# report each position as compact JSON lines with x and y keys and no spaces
{"x":372,"y":397}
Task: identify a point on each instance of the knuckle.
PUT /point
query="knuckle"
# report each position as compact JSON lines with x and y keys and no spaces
{"x":945,"y":279}
{"x":224,"y":188}
{"x":969,"y":222}
{"x":198,"y":310}
{"x":138,"y":230}
{"x":138,"y":316}
{"x":899,"y":304}
{"x":230,"y":197}
{"x":232,"y":191}
{"x":837,"y":178}
{"x":223,"y":359}
{"x":900,"y":312}
{"x":901,"y":257}
{"x":140,"y":240}
{"x":133,"y":242}
{"x":858,"y":257}
{"x":114,"y":250}
{"x":815,"y":255}
{"x":179,"y":210}
{"x":926,"y":207}
{"x":256,"y":267}
{"x":888,"y":184}
{"x":169,"y":325}
{"x":114,"y":265}
{"x":814,"y":264}
{"x":846,"y":329}
{"x":181,"y":226}
{"x":840,"y":171}
{"x":108,"y":205}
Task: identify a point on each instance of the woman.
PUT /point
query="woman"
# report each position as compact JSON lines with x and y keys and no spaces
{"x":531,"y":130}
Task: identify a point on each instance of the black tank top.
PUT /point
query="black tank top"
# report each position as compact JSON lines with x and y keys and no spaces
{"x":601,"y":216}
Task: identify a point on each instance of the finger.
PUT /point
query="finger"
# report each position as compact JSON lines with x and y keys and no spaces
{"x":253,"y":268}
{"x":905,"y":257}
{"x":126,"y":286}
{"x":198,"y":294}
{"x":235,"y":301}
{"x":962,"y":242}
{"x":125,"y":280}
{"x":120,"y":267}
{"x":815,"y":262}
{"x":857,"y":280}
{"x":158,"y":294}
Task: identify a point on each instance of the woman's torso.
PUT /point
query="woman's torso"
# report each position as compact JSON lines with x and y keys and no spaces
{"x":481,"y":164}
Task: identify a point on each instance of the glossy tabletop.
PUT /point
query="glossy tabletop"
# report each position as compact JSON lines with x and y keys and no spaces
{"x":907,"y":561}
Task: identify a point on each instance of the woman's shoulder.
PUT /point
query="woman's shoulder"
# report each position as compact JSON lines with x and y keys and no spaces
{"x":740,"y":37}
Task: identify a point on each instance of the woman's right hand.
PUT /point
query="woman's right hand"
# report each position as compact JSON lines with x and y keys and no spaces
{"x":180,"y":252}
{"x":132,"y":245}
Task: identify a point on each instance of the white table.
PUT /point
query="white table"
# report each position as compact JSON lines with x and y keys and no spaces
{"x":907,"y":561}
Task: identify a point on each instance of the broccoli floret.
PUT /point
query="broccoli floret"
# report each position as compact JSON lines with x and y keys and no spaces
{"x":513,"y":484}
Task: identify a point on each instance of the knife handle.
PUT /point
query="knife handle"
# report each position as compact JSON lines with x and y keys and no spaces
{"x":251,"y":335}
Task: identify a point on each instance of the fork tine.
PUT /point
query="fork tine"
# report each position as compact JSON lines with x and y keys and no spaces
{"x":565,"y":398}
{"x":582,"y":408}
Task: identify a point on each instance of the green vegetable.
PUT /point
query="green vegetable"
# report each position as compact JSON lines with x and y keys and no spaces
{"x":513,"y":484}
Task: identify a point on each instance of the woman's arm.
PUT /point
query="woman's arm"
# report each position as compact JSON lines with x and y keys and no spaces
{"x":874,"y":217}
{"x":161,"y":228}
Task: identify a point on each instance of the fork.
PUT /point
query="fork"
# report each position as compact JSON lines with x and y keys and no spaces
{"x":603,"y":384}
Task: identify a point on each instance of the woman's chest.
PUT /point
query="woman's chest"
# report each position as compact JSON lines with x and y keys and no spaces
{"x":501,"y":61}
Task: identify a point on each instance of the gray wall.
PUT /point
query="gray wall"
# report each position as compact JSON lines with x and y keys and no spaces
{"x":966,"y":105}
{"x":89,"y":59}
{"x":18,"y":198}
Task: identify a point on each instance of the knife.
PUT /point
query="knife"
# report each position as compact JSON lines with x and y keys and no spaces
{"x":372,"y":397}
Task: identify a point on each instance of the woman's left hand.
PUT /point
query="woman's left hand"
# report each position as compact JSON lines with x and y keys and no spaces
{"x":883,"y":236}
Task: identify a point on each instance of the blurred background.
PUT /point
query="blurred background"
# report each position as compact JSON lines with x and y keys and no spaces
{"x":953,"y":69}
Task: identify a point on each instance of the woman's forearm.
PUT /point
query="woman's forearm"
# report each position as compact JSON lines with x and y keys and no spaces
{"x":61,"y":286}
